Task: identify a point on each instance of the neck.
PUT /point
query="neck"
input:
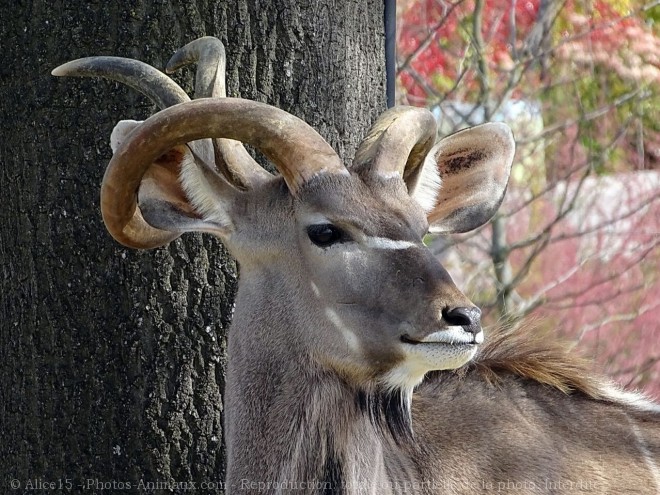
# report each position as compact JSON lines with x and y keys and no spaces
{"x":308,"y":425}
{"x":303,"y":426}
{"x":289,"y":419}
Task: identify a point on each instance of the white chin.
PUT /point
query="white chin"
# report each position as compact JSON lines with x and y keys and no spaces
{"x":441,"y":356}
{"x":422,"y":358}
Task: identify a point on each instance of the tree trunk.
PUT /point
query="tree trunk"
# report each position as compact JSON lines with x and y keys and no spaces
{"x":112,"y":359}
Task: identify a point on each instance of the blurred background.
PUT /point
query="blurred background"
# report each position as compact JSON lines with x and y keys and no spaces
{"x":576,"y":244}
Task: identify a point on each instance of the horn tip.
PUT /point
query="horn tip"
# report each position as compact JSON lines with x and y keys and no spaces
{"x":79,"y":67}
{"x":62,"y":70}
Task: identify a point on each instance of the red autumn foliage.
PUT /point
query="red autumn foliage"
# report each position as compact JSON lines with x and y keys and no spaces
{"x":432,"y":31}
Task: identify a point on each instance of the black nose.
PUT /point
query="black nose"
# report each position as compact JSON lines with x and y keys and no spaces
{"x":469,"y":318}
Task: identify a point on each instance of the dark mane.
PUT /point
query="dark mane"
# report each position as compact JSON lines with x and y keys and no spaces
{"x":530,"y":352}
{"x":388,"y":411}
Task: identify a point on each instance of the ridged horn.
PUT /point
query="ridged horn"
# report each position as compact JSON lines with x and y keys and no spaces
{"x":297,"y":150}
{"x":397,"y":143}
{"x":142,"y":77}
{"x":161,"y":90}
{"x":231,"y":158}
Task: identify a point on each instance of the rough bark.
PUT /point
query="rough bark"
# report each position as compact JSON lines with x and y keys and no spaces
{"x":113,"y":360}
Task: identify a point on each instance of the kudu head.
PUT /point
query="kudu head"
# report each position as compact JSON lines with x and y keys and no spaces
{"x":335,"y":251}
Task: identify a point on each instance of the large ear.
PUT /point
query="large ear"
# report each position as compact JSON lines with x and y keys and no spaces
{"x":464,"y":178}
{"x":180,"y":192}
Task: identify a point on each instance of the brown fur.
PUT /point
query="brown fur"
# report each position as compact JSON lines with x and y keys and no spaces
{"x":527,"y":351}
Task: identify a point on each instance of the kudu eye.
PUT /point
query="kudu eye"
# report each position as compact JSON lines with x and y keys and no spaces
{"x":325,"y":235}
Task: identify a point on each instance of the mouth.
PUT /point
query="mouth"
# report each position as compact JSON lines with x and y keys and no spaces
{"x":451,"y":336}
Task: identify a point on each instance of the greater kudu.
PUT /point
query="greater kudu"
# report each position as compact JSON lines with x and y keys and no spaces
{"x":342,"y":311}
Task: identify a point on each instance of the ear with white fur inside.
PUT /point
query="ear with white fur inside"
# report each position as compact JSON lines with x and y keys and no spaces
{"x":464,"y":178}
{"x":180,"y":192}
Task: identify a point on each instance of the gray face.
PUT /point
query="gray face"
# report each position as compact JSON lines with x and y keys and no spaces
{"x":376,"y":293}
